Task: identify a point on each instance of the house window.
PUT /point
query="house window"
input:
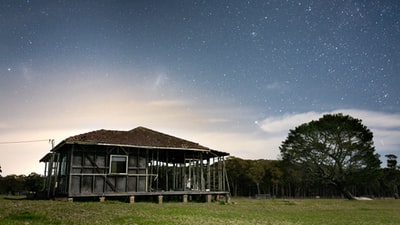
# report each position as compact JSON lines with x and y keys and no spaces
{"x":118,"y":164}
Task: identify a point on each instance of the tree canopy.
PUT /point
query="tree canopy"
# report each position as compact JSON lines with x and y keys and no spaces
{"x":336,"y":149}
{"x":391,"y":161}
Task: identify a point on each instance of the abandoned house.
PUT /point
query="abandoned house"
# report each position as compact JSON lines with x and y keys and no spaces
{"x":140,"y":162}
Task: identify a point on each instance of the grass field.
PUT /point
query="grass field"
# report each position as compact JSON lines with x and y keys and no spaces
{"x":242,"y":211}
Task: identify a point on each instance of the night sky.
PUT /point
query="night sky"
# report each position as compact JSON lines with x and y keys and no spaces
{"x":231,"y":75}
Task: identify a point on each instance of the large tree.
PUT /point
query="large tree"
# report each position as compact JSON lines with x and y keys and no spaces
{"x":334,"y":149}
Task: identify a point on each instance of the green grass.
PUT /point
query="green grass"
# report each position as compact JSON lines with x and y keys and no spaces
{"x":243,"y":211}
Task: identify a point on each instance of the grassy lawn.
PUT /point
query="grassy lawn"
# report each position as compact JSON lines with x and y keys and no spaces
{"x":243,"y":211}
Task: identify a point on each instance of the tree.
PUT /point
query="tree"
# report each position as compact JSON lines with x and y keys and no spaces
{"x":272,"y":178}
{"x":34,"y":182}
{"x":256,"y":173}
{"x":12,"y":184}
{"x":392,"y":174}
{"x":332,"y":149}
{"x":236,"y":168}
{"x":391,"y":161}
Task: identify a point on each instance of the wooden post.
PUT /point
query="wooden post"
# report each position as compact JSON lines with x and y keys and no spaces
{"x":102,"y":199}
{"x":158,"y":168}
{"x":185,"y":199}
{"x":220,"y":175}
{"x":208,"y":175}
{"x":209,"y":197}
{"x":228,"y":198}
{"x":132,"y":199}
{"x":160,"y":199}
{"x":166,"y":173}
{"x":202,"y":183}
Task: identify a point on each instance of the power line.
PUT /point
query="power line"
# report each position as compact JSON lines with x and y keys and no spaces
{"x":21,"y":142}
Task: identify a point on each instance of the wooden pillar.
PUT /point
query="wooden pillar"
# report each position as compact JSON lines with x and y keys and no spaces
{"x":132,"y":199}
{"x":220,"y":175}
{"x":185,"y":199}
{"x":195,"y":175}
{"x":160,"y":199}
{"x":213,"y":175}
{"x":183,"y":175}
{"x":158,"y":168}
{"x":224,"y":176}
{"x":102,"y":199}
{"x":174,"y":176}
{"x":166,"y":173}
{"x":151,"y":172}
{"x":202,"y":183}
{"x":208,"y":175}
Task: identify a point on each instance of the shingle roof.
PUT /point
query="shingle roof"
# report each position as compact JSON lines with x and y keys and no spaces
{"x":139,"y":136}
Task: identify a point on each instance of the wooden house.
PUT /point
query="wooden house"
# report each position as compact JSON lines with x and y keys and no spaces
{"x":138,"y":162}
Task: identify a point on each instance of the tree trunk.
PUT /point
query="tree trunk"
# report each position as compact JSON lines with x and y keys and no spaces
{"x":346,"y":193}
{"x":395,"y":190}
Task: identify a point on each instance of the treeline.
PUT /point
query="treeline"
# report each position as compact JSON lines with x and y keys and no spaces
{"x":272,"y":178}
{"x":21,"y":184}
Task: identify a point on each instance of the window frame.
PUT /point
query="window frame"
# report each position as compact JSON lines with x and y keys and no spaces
{"x":111,"y":171}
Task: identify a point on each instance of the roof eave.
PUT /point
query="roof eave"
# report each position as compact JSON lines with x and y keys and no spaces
{"x":219,"y":153}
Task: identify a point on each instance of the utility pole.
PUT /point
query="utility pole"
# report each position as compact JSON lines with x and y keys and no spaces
{"x":51,"y":141}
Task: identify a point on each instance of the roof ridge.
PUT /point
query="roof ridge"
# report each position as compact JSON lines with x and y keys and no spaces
{"x":158,"y":132}
{"x":139,"y":136}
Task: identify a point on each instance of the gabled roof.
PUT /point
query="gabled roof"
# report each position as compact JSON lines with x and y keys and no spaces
{"x":139,"y":136}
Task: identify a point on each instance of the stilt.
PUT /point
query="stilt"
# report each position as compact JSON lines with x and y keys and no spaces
{"x":228,"y":198}
{"x":185,"y":199}
{"x":209,"y":198}
{"x":160,"y":199}
{"x":132,"y":199}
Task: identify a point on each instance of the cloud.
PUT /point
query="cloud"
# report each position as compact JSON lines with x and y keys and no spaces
{"x":160,"y":80}
{"x":273,"y":125}
{"x":373,"y":118}
{"x":385,"y":127}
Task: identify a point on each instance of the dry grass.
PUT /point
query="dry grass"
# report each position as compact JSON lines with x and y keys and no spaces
{"x":244,"y":211}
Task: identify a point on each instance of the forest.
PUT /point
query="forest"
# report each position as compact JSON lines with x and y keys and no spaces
{"x":273,"y":179}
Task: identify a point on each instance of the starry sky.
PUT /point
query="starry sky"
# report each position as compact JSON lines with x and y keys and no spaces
{"x":231,"y":75}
